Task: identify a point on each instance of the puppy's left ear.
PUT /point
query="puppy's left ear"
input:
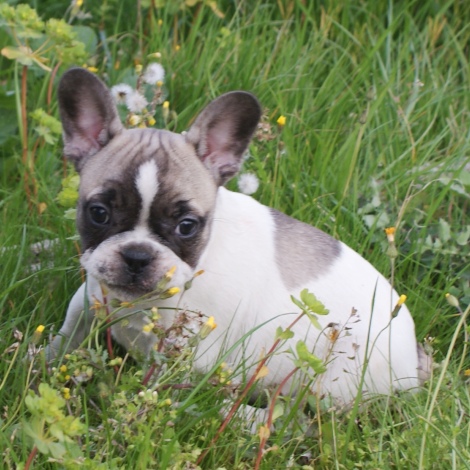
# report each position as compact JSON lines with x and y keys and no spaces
{"x":222,"y":132}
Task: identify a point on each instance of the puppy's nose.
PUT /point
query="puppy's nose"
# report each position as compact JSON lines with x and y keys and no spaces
{"x":136,"y":259}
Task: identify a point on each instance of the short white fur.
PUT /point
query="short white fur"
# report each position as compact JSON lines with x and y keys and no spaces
{"x":146,"y":182}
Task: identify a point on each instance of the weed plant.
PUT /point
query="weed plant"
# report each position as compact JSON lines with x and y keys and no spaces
{"x":365,"y":127}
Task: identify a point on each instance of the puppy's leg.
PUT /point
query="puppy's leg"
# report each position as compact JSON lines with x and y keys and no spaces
{"x":75,"y":328}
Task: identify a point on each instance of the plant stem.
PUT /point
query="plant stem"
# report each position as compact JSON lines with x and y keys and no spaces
{"x":31,"y":458}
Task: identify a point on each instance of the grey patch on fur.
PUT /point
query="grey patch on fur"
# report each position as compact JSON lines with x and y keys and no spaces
{"x":424,"y":365}
{"x":303,"y":252}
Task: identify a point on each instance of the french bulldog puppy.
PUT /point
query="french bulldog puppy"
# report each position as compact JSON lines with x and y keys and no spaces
{"x":151,"y":200}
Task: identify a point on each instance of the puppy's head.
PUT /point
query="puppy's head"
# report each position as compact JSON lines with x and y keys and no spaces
{"x":147,"y":196}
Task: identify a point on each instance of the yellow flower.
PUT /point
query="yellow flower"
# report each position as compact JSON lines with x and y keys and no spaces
{"x":148,"y":327}
{"x":159,"y":22}
{"x":177,"y":47}
{"x":211,"y":323}
{"x":467,"y":373}
{"x":166,"y":104}
{"x":40,"y":329}
{"x":159,"y":83}
{"x":401,"y":300}
{"x":173,"y":291}
{"x":66,"y":393}
{"x":138,"y":68}
{"x":92,"y":69}
{"x":390,"y":232}
{"x":63,"y":368}
{"x":281,"y":120}
{"x":151,"y":121}
{"x":134,"y":119}
{"x":170,"y":273}
{"x":207,"y":328}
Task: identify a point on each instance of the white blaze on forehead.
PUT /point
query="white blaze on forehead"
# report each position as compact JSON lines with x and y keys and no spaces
{"x":146,"y":182}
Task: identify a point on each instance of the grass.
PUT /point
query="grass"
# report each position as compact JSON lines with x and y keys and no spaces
{"x":376,"y":101}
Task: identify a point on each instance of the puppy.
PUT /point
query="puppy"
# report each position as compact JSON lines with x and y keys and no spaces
{"x":151,"y":200}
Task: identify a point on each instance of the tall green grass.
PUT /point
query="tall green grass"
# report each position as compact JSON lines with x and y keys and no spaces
{"x":377,"y":106}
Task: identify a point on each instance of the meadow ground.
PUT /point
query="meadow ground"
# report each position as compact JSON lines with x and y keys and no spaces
{"x":375,"y":98}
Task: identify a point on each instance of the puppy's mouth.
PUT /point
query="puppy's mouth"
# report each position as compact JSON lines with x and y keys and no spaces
{"x":131,"y":291}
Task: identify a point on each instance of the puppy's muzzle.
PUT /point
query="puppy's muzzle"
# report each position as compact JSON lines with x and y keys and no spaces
{"x":136,"y":258}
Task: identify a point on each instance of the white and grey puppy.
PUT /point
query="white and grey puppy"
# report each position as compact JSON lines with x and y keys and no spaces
{"x":152,"y":199}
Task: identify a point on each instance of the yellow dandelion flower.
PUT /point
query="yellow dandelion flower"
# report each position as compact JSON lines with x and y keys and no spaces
{"x":148,"y":327}
{"x":92,"y":69}
{"x":211,"y":323}
{"x":134,"y":119}
{"x":166,"y":104}
{"x":40,"y":329}
{"x":390,"y":232}
{"x":467,"y":373}
{"x":173,"y":291}
{"x":281,"y":121}
{"x":170,"y":273}
{"x":401,"y":300}
{"x":151,"y":121}
{"x":208,"y":326}
{"x":159,"y":83}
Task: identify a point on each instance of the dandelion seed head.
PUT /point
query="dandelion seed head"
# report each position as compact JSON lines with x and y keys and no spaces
{"x":248,"y":183}
{"x":136,"y":102}
{"x":120,"y":92}
{"x":154,"y":73}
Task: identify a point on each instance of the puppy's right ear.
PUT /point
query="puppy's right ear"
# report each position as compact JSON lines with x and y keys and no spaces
{"x":89,"y":117}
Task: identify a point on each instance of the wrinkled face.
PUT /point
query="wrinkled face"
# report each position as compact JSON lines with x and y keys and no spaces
{"x":146,"y":203}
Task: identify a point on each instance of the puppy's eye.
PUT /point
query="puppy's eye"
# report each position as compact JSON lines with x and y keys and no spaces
{"x":187,"y":228}
{"x":99,"y":214}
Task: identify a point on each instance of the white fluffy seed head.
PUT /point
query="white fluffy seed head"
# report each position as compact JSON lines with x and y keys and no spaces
{"x":136,"y":102}
{"x":248,"y":183}
{"x":121,"y":92}
{"x":154,"y":73}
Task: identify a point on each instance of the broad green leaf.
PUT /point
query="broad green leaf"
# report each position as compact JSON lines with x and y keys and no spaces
{"x":284,"y":334}
{"x":310,"y":359}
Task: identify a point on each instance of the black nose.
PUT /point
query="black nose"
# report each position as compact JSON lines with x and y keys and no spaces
{"x":136,"y":259}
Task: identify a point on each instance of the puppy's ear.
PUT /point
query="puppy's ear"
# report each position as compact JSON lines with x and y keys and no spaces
{"x":89,"y":117}
{"x":222,"y":132}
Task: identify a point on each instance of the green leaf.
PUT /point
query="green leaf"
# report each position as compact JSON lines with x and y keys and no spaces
{"x":309,"y":299}
{"x":306,"y":357}
{"x":463,"y":237}
{"x":444,"y":230}
{"x":284,"y":334}
{"x":298,"y":303}
{"x":22,"y":54}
